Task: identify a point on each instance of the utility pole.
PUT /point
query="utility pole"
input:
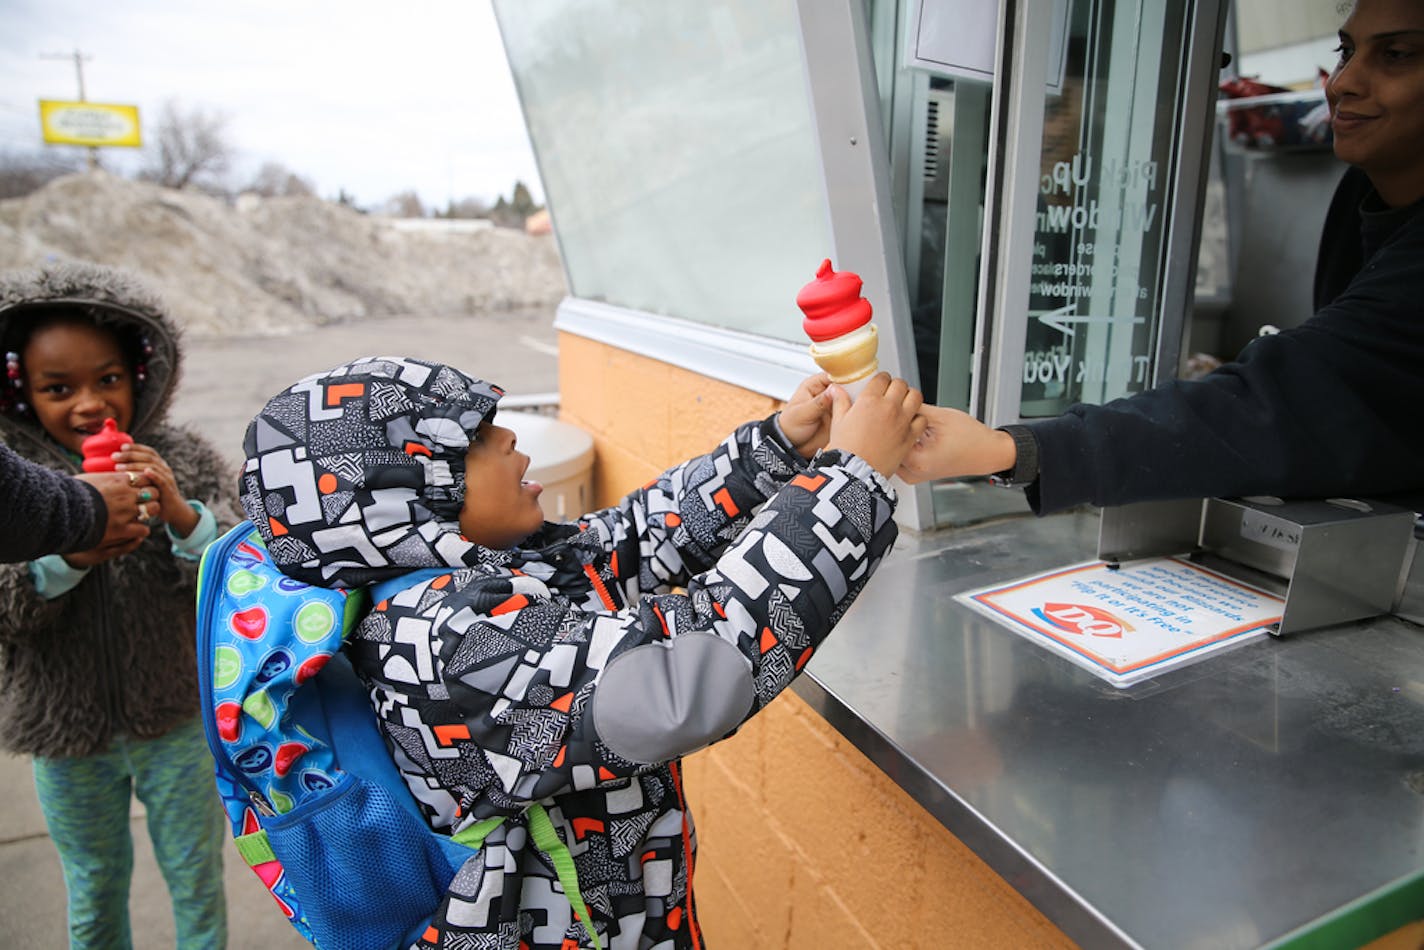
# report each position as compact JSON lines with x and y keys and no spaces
{"x":79,"y":60}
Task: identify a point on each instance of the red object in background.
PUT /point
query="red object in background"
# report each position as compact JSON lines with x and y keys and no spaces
{"x":1264,"y":116}
{"x":1253,"y":126}
{"x":832,"y":304}
{"x":100,"y":447}
{"x":1243,"y":87}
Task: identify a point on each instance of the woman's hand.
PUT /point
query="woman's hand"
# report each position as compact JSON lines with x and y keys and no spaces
{"x":165,"y":502}
{"x":120,"y":493}
{"x":806,"y":417}
{"x":955,"y":444}
{"x":881,"y":425}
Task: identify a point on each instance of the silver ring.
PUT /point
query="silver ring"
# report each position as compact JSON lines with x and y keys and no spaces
{"x":143,"y":512}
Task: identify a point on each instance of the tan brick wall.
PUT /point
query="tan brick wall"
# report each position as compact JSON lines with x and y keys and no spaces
{"x":803,"y":842}
{"x":644,"y":415}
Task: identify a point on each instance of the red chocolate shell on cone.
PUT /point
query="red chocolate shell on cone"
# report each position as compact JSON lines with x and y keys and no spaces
{"x":832,"y":304}
{"x":100,"y":447}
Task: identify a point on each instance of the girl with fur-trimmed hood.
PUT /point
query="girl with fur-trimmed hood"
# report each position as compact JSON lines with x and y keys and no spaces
{"x":97,"y":671}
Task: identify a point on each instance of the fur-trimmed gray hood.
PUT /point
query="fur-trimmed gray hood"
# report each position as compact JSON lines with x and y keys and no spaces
{"x":114,"y":655}
{"x":116,"y":298}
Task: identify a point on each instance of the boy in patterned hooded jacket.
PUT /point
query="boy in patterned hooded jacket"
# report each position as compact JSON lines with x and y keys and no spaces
{"x":563,"y":669}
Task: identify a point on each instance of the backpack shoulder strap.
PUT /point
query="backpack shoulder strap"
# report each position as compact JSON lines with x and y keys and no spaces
{"x":541,"y":828}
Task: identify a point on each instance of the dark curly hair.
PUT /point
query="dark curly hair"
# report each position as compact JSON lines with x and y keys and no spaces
{"x":23,"y":322}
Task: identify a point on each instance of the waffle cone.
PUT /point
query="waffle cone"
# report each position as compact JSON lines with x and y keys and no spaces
{"x":850,"y":357}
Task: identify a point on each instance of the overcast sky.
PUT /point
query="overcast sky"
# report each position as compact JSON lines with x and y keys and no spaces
{"x":372,"y":96}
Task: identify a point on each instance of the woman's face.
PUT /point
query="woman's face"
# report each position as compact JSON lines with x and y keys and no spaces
{"x":1376,"y":96}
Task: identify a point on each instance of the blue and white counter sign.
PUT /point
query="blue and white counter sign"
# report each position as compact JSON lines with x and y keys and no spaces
{"x":1133,"y":622}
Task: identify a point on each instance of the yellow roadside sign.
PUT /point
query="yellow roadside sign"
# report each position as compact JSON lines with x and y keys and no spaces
{"x":89,"y":123}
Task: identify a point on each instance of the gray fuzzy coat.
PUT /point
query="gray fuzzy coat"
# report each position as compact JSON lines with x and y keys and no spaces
{"x":114,"y":655}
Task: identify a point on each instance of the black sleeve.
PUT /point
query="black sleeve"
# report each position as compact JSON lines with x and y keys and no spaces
{"x":45,"y":512}
{"x":1329,"y":407}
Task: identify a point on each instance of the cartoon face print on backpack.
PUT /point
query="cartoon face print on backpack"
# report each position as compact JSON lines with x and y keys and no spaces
{"x":316,"y":781}
{"x":255,"y":760}
{"x":274,"y":665}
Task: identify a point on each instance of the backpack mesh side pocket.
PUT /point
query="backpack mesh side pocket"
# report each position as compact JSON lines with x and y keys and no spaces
{"x":369,"y":872}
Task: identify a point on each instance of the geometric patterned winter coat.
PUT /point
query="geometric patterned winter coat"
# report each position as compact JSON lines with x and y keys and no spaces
{"x":576,"y":670}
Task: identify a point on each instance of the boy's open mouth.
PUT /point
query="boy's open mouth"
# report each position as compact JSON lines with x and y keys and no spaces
{"x":528,"y":484}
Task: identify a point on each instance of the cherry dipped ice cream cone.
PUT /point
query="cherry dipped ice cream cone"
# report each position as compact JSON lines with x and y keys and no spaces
{"x":843,"y":340}
{"x":100,"y":447}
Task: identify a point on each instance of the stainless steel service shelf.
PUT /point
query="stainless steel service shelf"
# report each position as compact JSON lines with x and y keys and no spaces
{"x":1223,"y":805}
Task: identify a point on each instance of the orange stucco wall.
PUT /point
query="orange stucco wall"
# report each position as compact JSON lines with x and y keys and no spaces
{"x":803,"y":842}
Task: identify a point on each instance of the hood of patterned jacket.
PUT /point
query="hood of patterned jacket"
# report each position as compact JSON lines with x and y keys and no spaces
{"x":357,"y":474}
{"x":116,"y":299}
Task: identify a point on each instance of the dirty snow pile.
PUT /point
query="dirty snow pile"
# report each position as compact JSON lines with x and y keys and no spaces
{"x":273,"y":265}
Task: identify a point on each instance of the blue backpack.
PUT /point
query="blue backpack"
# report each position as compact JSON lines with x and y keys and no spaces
{"x":317,"y":807}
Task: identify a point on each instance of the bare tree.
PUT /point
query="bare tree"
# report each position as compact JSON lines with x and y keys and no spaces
{"x":467,"y":208}
{"x":405,"y":205}
{"x":274,"y":180}
{"x":191,"y":144}
{"x":22,"y":173}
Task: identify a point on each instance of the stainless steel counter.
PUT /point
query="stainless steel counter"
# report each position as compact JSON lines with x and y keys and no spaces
{"x":1223,"y":805}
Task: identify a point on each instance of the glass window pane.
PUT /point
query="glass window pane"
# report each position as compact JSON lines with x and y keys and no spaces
{"x":1108,"y":140}
{"x":675,"y":132}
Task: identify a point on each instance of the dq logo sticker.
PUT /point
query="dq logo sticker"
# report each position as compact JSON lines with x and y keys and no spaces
{"x":1083,"y":619}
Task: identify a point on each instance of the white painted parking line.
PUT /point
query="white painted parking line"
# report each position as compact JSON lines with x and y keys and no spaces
{"x":539,"y":346}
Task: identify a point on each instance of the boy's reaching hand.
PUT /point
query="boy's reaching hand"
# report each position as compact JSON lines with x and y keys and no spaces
{"x":806,"y":417}
{"x":881,"y":425}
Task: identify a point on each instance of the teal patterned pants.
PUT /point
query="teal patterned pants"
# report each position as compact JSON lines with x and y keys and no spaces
{"x":86,"y":806}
